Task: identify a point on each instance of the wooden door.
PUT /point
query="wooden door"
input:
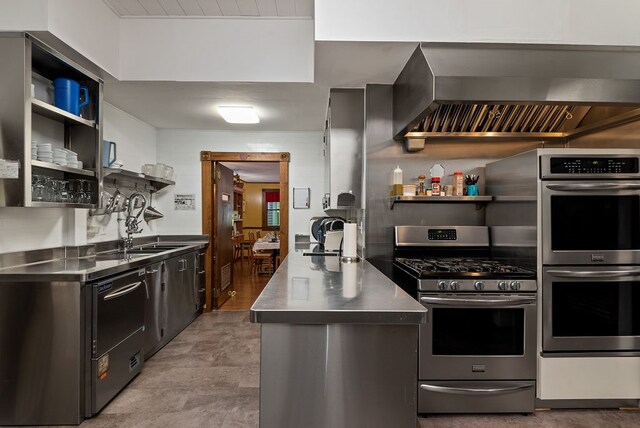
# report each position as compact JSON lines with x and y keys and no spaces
{"x":222,"y":234}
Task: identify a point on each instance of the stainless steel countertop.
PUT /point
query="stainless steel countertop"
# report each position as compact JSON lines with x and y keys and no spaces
{"x":89,"y":268}
{"x":308,"y":290}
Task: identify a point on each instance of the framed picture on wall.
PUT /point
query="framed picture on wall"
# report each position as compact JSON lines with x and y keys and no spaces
{"x":301,"y":198}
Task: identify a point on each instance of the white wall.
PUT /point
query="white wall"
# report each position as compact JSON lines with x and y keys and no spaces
{"x":136,"y":145}
{"x":136,"y":139}
{"x":20,"y":15}
{"x":31,"y":228}
{"x":181,"y":149}
{"x":90,"y":27}
{"x":597,"y":22}
{"x":223,"y":50}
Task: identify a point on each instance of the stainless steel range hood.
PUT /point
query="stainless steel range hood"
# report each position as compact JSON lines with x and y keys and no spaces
{"x":517,"y":92}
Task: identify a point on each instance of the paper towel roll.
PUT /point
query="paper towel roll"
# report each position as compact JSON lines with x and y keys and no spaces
{"x":350,"y":280}
{"x":350,"y":243}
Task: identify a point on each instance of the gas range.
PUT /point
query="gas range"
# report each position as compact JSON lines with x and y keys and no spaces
{"x":467,"y":274}
{"x":455,"y":259}
{"x":480,"y":340}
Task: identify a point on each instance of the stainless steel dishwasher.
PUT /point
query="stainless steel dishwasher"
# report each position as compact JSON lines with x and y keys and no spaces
{"x":117,"y":335}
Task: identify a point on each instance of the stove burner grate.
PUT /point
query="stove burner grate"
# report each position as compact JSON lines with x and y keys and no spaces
{"x":463,"y":266}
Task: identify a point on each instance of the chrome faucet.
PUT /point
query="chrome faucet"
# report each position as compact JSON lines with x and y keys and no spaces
{"x":131,"y":222}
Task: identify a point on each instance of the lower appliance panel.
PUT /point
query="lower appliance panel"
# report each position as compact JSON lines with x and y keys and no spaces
{"x":476,"y":396}
{"x":113,"y":370}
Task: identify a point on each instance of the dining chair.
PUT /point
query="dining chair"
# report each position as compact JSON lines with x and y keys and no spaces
{"x":259,"y":259}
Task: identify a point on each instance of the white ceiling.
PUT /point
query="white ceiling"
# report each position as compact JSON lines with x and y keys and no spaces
{"x":256,"y":172}
{"x":235,"y":8}
{"x":281,"y":106}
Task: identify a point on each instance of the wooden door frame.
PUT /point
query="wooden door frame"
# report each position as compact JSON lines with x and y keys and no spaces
{"x":207,"y":159}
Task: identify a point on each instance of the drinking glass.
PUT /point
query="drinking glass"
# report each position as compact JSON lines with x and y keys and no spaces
{"x":49,"y":189}
{"x":63,"y":191}
{"x":87,"y":191}
{"x":37,"y":187}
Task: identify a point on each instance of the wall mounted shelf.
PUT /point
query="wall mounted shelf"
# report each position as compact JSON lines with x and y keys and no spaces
{"x":480,"y":201}
{"x":52,"y":112}
{"x":44,"y":204}
{"x":56,"y":167}
{"x":117,"y":174}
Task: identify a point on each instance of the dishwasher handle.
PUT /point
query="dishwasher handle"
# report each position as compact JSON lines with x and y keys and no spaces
{"x":123,"y":291}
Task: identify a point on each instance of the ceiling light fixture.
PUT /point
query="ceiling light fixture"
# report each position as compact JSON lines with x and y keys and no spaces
{"x":238,"y":114}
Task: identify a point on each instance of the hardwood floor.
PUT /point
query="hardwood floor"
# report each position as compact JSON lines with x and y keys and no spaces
{"x":248,"y":287}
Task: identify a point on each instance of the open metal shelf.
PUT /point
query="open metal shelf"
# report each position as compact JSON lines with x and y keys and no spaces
{"x":480,"y":201}
{"x":156,"y":182}
{"x":56,"y":167}
{"x":52,"y":112}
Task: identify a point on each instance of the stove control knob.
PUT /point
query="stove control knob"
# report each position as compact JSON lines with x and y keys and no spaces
{"x":454,"y":285}
{"x":515,"y":285}
{"x":442,"y":285}
{"x":503,"y":285}
{"x":478,"y":285}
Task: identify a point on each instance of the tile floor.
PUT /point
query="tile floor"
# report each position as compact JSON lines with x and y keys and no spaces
{"x":208,"y":376}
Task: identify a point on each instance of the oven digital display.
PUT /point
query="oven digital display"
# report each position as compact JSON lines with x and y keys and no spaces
{"x":442,"y":235}
{"x":590,"y":165}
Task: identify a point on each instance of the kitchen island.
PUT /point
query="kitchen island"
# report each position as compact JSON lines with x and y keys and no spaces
{"x":339,"y":346}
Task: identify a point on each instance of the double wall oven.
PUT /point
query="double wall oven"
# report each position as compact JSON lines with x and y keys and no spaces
{"x":590,"y":209}
{"x":477,"y":349}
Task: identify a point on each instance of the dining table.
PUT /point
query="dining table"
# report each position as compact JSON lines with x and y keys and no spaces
{"x":266,"y":244}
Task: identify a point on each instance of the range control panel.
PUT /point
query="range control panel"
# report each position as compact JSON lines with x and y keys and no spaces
{"x":442,"y":235}
{"x":593,"y":165}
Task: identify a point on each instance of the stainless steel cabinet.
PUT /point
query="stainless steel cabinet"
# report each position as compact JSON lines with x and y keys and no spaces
{"x":174,"y":300}
{"x":24,"y":116}
{"x":155,"y":319}
{"x":343,"y":140}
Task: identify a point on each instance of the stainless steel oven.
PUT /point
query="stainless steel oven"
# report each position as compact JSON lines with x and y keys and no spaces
{"x":592,"y":309}
{"x":476,"y":336}
{"x":480,"y":348}
{"x":590,"y":209}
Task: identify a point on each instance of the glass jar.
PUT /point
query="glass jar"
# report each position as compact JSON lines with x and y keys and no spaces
{"x":435,"y":186}
{"x":458,"y":183}
{"x":422,"y":187}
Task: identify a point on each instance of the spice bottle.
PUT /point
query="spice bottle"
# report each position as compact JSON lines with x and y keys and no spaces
{"x":422,"y":188}
{"x":458,"y":183}
{"x":397,"y":182}
{"x":435,"y":186}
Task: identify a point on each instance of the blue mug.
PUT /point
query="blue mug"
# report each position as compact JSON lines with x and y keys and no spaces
{"x":66,"y":95}
{"x":472,"y":190}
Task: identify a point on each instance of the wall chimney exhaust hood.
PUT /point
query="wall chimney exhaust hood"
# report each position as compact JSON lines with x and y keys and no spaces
{"x":514,"y":92}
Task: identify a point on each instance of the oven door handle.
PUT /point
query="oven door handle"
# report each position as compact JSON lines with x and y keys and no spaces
{"x":474,"y":391}
{"x":505,"y":301}
{"x":593,"y":186}
{"x":594,"y":273}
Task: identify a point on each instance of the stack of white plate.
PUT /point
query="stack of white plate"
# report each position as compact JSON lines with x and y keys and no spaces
{"x":34,"y":150}
{"x":60,"y":157}
{"x":72,"y":159}
{"x":45,"y":154}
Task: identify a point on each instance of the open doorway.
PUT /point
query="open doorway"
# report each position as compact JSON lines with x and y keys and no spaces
{"x":245,"y":213}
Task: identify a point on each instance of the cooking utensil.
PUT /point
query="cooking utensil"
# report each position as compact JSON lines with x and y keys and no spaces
{"x":471,"y":179}
{"x":151,"y":213}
